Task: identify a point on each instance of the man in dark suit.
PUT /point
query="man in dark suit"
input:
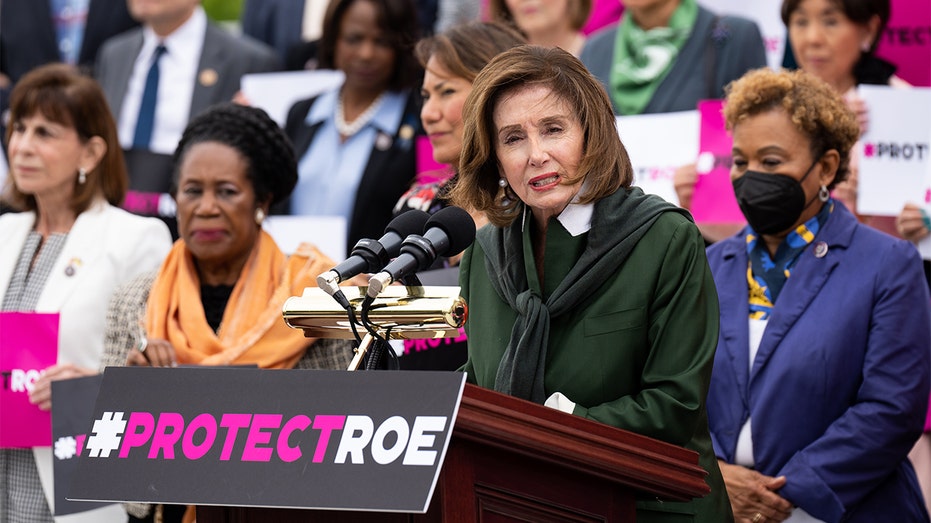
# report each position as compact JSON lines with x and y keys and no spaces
{"x":198,"y":65}
{"x":28,"y":33}
{"x":28,"y":38}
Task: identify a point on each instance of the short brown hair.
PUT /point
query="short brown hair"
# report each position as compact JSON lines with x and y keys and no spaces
{"x":60,"y":93}
{"x":465,"y":49}
{"x":605,"y":166}
{"x":578,"y":12}
{"x":397,"y":18}
{"x":815,"y":108}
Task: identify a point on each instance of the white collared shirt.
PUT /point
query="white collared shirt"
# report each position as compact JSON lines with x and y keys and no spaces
{"x":177,"y":74}
{"x":576,"y":218}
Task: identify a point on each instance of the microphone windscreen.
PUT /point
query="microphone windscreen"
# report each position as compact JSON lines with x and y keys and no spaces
{"x":458,"y":226}
{"x":408,"y":222}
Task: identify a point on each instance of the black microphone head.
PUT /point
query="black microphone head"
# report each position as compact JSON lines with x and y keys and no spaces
{"x":408,"y":222}
{"x":458,"y":226}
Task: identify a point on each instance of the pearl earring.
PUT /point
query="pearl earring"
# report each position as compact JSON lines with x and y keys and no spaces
{"x":82,"y":175}
{"x":865,"y":46}
{"x":502,"y":182}
{"x":259,"y":216}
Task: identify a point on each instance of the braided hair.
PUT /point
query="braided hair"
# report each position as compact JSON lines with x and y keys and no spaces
{"x":272,"y":167}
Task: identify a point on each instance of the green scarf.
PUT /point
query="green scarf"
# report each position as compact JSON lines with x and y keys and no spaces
{"x":642,"y":59}
{"x":618,"y":223}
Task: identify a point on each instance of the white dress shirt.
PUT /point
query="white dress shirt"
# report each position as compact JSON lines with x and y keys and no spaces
{"x":177,"y":74}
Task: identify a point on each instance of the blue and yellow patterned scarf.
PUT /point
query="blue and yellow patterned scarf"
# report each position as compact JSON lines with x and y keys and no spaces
{"x":767,"y":276}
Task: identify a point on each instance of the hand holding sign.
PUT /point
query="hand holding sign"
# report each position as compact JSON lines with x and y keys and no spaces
{"x":912,"y":223}
{"x":41,"y":393}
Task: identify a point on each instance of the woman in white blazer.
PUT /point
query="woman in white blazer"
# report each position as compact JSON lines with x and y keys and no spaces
{"x":66,"y":252}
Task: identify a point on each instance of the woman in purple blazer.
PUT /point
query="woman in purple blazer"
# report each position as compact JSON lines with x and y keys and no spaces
{"x":821,"y":376}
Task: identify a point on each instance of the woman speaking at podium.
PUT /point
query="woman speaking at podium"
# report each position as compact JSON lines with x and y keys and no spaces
{"x":585,"y":294}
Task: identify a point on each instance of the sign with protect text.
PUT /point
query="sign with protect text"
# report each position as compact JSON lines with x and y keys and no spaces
{"x":906,"y":41}
{"x":714,"y":200}
{"x":72,"y":409}
{"x":372,"y":441}
{"x":895,"y":151}
{"x":28,"y":345}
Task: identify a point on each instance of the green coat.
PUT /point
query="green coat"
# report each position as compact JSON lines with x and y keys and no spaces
{"x":638,"y":356}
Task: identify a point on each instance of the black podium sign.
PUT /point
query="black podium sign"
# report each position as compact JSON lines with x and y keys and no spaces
{"x":269,"y":438}
{"x":72,"y":408}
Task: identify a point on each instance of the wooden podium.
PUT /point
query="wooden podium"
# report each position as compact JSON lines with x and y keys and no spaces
{"x":513,"y":460}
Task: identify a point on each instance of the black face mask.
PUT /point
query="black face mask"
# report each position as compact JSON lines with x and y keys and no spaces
{"x":771,"y":203}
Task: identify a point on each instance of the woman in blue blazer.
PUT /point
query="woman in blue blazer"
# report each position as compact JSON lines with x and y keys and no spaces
{"x":821,"y":376}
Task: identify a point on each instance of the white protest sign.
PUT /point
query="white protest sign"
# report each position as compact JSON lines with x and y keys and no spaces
{"x":895,"y":152}
{"x":277,"y":92}
{"x":327,"y":233}
{"x":658,"y":144}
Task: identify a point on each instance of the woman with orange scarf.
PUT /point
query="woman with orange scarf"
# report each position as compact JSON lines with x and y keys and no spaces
{"x":217,"y":297}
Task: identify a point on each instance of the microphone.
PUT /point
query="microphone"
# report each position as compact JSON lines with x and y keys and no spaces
{"x":370,"y":255}
{"x":449,"y":231}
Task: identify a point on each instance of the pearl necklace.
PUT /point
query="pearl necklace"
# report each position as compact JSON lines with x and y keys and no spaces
{"x":349,"y":129}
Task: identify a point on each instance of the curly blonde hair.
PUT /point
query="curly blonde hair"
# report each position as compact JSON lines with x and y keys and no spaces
{"x":815,"y":109}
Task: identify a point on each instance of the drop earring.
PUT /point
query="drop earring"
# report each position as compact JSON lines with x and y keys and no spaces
{"x":259,"y":216}
{"x":823,"y":194}
{"x":82,"y":176}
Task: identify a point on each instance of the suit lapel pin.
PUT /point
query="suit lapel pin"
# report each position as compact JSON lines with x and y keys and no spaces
{"x":821,"y":249}
{"x":72,"y":268}
{"x":383,"y":141}
{"x":208,"y":77}
{"x":406,"y":132}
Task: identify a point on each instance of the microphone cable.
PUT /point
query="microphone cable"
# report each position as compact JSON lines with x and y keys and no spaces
{"x":380,"y":344}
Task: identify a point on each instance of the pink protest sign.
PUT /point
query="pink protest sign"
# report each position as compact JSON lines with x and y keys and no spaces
{"x":425,"y":162}
{"x":28,"y":344}
{"x":604,"y":13}
{"x":906,"y":42}
{"x":428,"y":169}
{"x":713,"y":200}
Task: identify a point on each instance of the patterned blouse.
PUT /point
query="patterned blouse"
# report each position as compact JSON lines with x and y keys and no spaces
{"x":21,"y":494}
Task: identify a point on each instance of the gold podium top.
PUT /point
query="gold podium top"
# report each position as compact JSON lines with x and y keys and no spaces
{"x":406,"y":313}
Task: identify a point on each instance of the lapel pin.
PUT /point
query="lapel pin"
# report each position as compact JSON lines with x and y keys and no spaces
{"x":72,"y":267}
{"x":821,"y":249}
{"x":208,"y":77}
{"x":383,"y":141}
{"x":406,"y":132}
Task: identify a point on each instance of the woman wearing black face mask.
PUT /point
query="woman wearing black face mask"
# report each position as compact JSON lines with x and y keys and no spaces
{"x":823,"y":365}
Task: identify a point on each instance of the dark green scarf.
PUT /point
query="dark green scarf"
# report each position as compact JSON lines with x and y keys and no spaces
{"x":618,"y":223}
